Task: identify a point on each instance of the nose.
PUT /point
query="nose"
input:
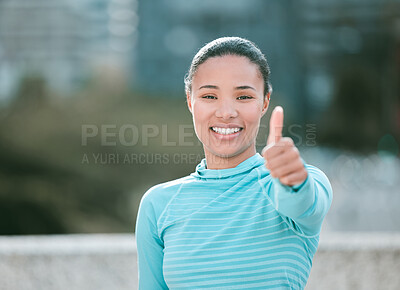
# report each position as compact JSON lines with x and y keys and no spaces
{"x":226,"y":109}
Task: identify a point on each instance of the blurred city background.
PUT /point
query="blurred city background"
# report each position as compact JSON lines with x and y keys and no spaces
{"x":93,"y":112}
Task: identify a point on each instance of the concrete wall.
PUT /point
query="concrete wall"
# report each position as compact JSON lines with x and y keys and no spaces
{"x":73,"y":262}
{"x":367,"y":261}
{"x":343,"y":261}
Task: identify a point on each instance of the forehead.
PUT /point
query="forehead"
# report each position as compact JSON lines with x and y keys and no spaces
{"x":228,"y":69}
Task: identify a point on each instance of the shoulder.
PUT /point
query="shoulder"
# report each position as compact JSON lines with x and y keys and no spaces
{"x":158,"y":196}
{"x":317,"y":174}
{"x":165,"y":189}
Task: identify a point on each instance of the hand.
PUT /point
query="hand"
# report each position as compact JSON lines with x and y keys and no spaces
{"x":282,"y":158}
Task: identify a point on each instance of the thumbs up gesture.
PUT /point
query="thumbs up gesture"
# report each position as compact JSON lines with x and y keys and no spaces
{"x":282,"y":158}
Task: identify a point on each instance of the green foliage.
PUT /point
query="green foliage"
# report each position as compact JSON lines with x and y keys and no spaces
{"x":47,"y":185}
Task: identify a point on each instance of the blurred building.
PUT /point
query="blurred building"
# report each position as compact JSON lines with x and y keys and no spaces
{"x":337,"y":36}
{"x":308,"y":43}
{"x":312,"y":46}
{"x":64,"y":40}
{"x":350,"y":53}
{"x":171,"y":31}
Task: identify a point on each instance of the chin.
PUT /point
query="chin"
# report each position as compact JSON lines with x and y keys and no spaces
{"x":227,"y":153}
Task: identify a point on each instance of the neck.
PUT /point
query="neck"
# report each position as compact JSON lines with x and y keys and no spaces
{"x":219,"y":162}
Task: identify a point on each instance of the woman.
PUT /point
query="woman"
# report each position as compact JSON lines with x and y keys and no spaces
{"x":241,"y":220}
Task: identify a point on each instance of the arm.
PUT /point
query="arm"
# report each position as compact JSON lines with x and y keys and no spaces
{"x":304,"y":205}
{"x":301,"y":193}
{"x":149,"y":247}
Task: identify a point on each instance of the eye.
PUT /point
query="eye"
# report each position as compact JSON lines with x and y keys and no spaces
{"x":244,"y":97}
{"x":209,"y":97}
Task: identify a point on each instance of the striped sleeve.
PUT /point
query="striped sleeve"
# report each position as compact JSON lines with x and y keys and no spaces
{"x":149,"y":247}
{"x":304,"y":207}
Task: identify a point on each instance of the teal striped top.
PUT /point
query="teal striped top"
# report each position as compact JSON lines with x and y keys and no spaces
{"x":235,"y":228}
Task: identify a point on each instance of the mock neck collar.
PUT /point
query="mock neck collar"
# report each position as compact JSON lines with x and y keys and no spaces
{"x":241,"y":168}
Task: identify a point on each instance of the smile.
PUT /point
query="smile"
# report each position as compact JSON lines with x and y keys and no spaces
{"x":226,"y":131}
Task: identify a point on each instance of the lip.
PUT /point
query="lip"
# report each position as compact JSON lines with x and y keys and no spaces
{"x":222,"y":137}
{"x":227,"y":126}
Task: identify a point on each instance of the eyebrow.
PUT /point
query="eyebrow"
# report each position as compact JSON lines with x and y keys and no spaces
{"x":217,"y":88}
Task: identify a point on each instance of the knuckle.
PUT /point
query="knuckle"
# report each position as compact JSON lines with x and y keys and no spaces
{"x":294,"y":154}
{"x":264,"y":150}
{"x":300,"y":164}
{"x":267,"y":151}
{"x":280,"y":143}
{"x":275,"y":172}
{"x":288,"y":141}
{"x":286,"y":179}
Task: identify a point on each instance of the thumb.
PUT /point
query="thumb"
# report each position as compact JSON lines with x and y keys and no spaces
{"x":275,"y":125}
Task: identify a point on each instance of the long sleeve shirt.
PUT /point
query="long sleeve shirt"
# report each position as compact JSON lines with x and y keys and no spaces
{"x":235,"y":228}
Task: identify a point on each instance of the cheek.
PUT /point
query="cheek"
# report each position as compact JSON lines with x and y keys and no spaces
{"x":252,"y":114}
{"x":201,"y":115}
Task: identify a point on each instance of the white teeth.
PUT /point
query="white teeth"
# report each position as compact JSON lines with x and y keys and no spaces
{"x":225,"y":131}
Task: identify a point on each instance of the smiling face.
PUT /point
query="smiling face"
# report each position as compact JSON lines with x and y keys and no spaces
{"x":227,"y":102}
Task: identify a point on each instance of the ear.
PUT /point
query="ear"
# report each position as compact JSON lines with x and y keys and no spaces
{"x":266,"y":103}
{"x":189,"y":101}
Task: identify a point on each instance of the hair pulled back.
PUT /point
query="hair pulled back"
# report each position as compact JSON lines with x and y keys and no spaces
{"x":230,"y":46}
